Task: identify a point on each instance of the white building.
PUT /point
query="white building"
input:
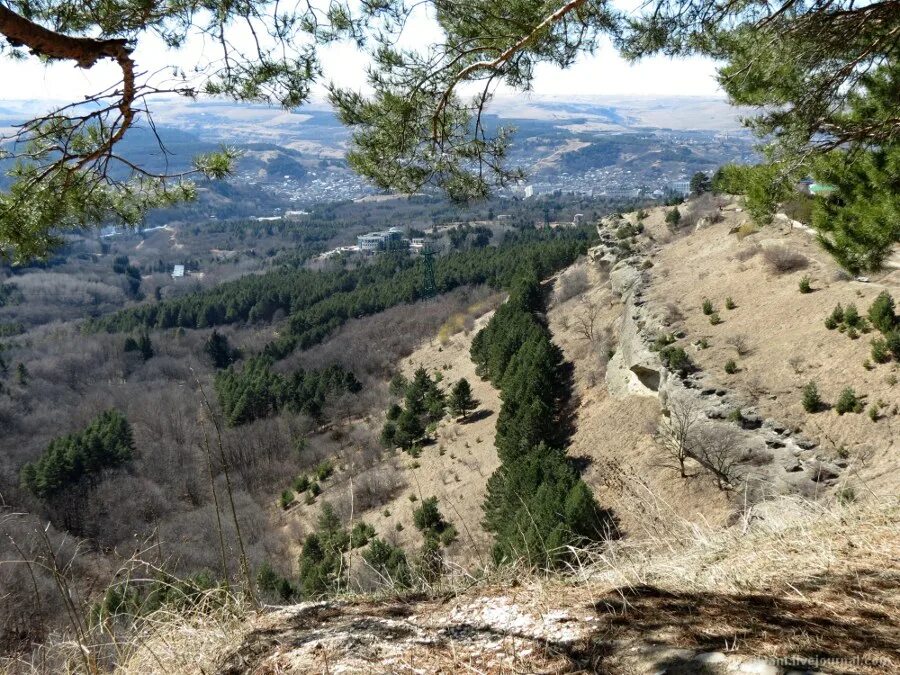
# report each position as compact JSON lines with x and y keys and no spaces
{"x":178,"y":271}
{"x":379,"y":241}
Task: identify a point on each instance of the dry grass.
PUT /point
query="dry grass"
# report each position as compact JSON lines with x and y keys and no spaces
{"x":791,"y":579}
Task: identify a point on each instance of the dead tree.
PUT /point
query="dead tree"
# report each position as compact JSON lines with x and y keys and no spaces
{"x":586,"y":321}
{"x":676,"y":434}
{"x":715,"y":447}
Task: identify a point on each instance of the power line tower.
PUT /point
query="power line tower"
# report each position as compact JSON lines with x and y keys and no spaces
{"x":430,"y":289}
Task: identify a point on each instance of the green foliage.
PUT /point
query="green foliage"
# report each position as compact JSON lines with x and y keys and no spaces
{"x":805,"y":285}
{"x":431,"y":523}
{"x":142,"y":345}
{"x":763,"y":187}
{"x":881,"y":314}
{"x":700,"y":183}
{"x":837,"y":314}
{"x":852,"y":319}
{"x":730,"y":303}
{"x":715,"y":319}
{"x":424,"y":406}
{"x":389,"y":562}
{"x":677,"y":360}
{"x":812,"y":401}
{"x":707,"y":307}
{"x":104,"y":444}
{"x":219,"y":351}
{"x":321,"y":558}
{"x":301,"y":483}
{"x":880,"y":351}
{"x":268,"y":581}
{"x":256,"y":391}
{"x":461,"y":400}
{"x":536,"y":503}
{"x":673,"y":218}
{"x":140,"y":597}
{"x":731,"y":367}
{"x":848,"y":401}
{"x":892,"y":340}
{"x":320,"y":302}
{"x":324,"y":469}
{"x":858,"y":223}
{"x":287,"y":498}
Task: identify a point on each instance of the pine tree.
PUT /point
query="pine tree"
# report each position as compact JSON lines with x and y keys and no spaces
{"x":700,"y":183}
{"x":461,"y":400}
{"x":145,"y":347}
{"x":218,"y":350}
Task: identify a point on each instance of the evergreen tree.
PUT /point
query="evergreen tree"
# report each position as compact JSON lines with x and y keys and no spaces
{"x":536,"y":504}
{"x":145,"y":347}
{"x":105,"y":443}
{"x":22,"y":374}
{"x":461,"y":400}
{"x":881,"y":313}
{"x":700,"y":183}
{"x":673,"y":217}
{"x":219,"y":351}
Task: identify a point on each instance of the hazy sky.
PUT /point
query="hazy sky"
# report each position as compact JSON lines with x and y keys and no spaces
{"x":602,"y":73}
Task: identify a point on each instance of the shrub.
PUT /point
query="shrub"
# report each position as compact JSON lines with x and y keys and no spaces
{"x":715,"y":319}
{"x":673,"y":218}
{"x":880,"y":351}
{"x":782,"y":260}
{"x":851,"y":316}
{"x":873,"y":413}
{"x":677,"y":360}
{"x":324,"y":470}
{"x":805,"y":285}
{"x":812,"y":401}
{"x":881,"y":313}
{"x":892,"y":340}
{"x":428,"y":519}
{"x":830,"y":323}
{"x":301,"y":483}
{"x":729,"y":303}
{"x":389,"y":562}
{"x":731,"y":367}
{"x":852,"y":333}
{"x":837,"y":314}
{"x":708,"y":306}
{"x":662,"y":341}
{"x":848,"y":401}
{"x":287,"y":498}
{"x":315,"y":490}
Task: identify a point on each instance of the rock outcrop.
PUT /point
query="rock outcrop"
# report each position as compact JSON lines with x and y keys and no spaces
{"x":768,"y":459}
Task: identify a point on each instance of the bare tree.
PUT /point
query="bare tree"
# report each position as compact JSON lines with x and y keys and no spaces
{"x":740,"y":344}
{"x":676,"y":433}
{"x":586,"y":321}
{"x":715,"y":447}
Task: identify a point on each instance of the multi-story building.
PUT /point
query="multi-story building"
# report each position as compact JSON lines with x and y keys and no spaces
{"x":380,"y":241}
